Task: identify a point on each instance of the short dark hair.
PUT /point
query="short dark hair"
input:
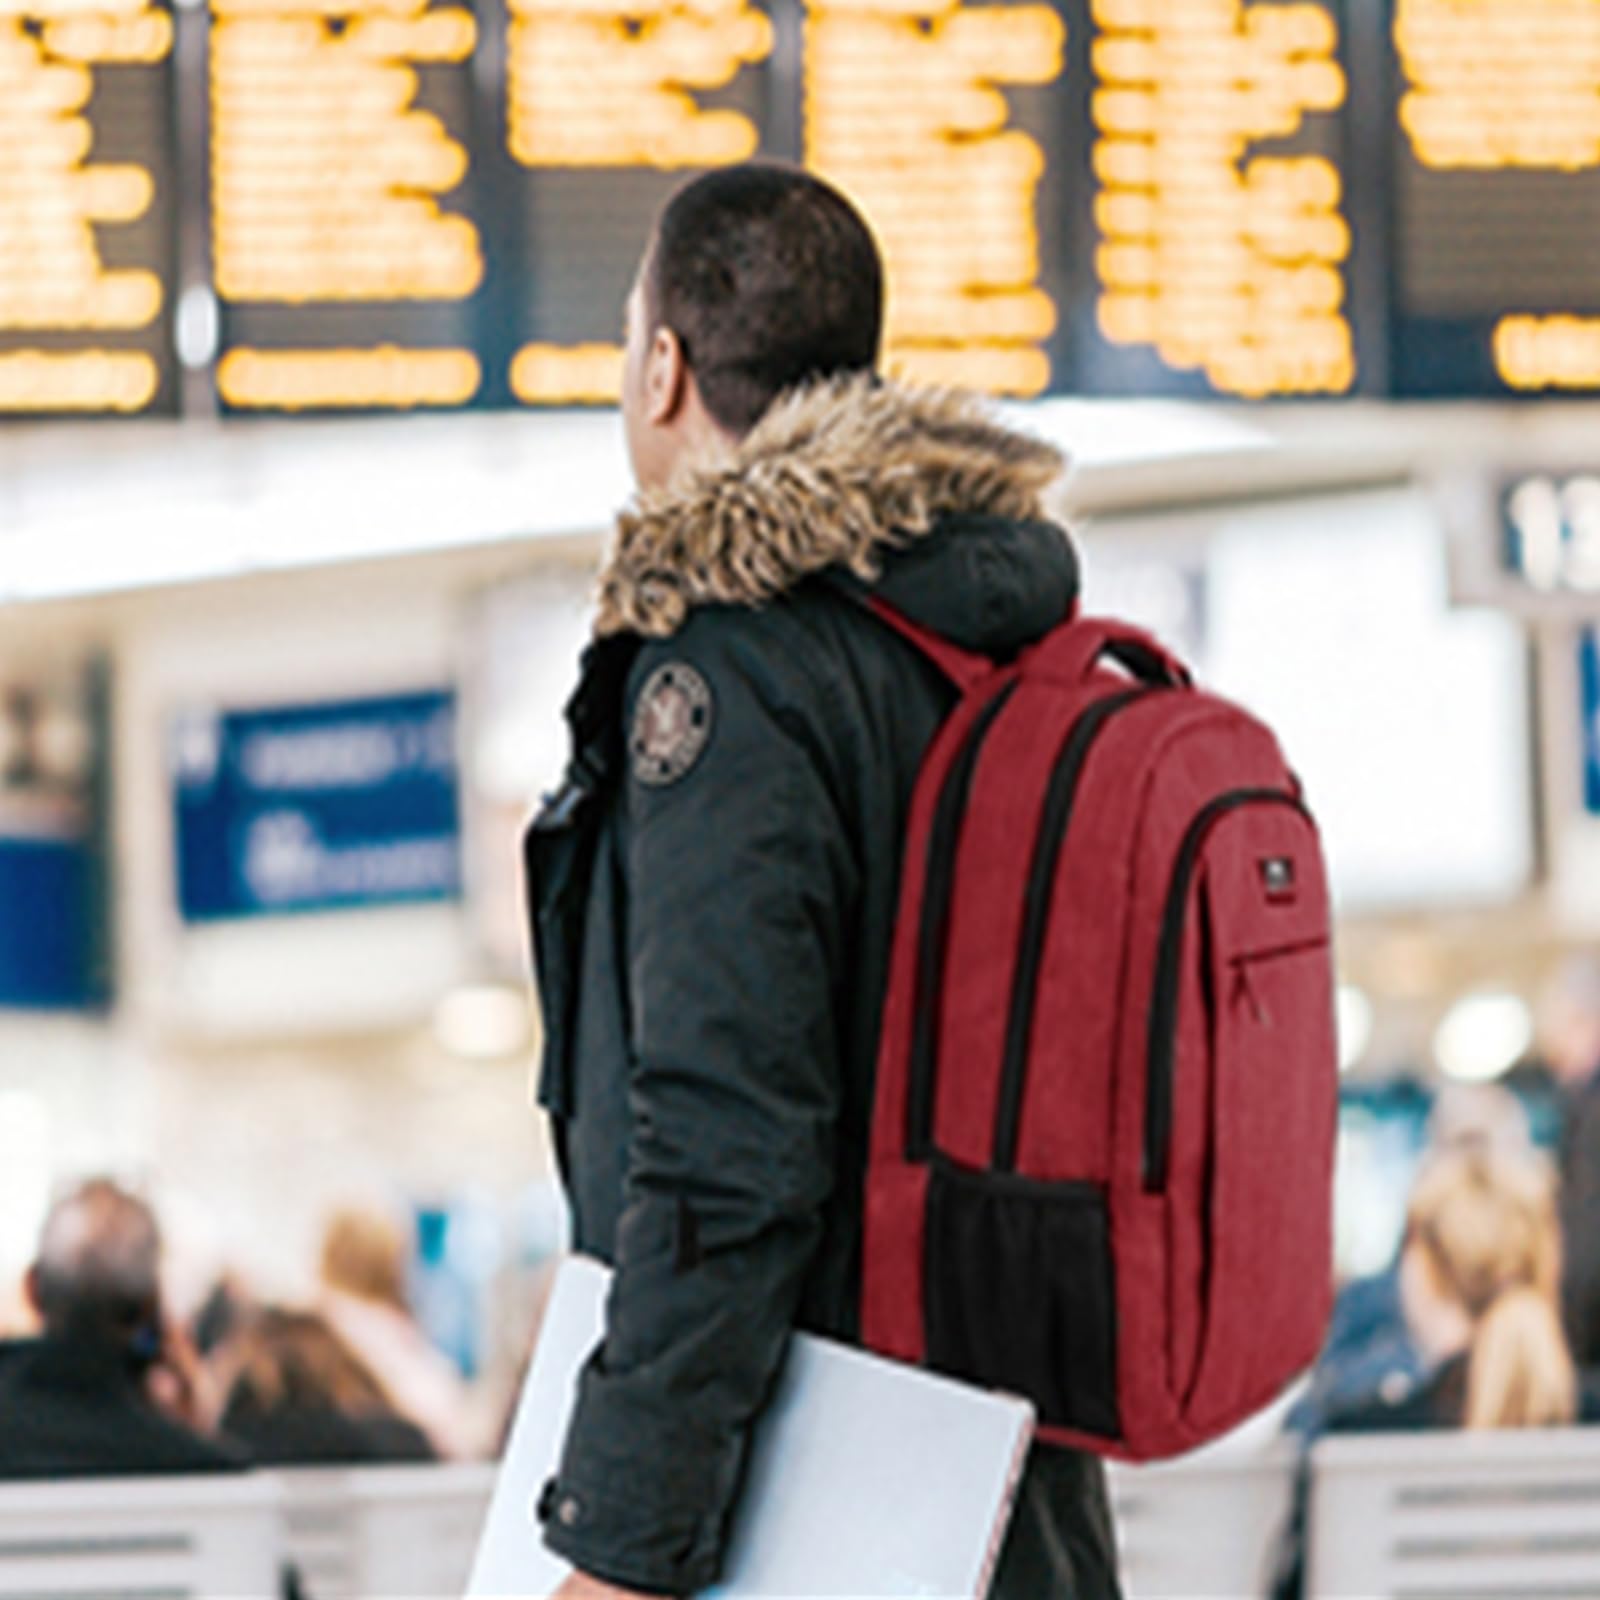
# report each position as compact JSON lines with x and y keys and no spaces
{"x":769,"y":278}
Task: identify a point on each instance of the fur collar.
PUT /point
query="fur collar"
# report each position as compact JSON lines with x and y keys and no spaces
{"x":835,"y":475}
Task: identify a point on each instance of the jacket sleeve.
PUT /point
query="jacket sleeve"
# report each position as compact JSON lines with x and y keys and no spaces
{"x":1580,"y":1217}
{"x":739,"y":887}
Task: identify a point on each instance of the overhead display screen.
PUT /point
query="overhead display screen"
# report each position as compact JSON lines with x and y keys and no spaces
{"x":1497,"y":197}
{"x":941,"y":122}
{"x":608,"y":108}
{"x":413,"y":204}
{"x":344,"y":256}
{"x":87,"y":222}
{"x":1217,"y":239}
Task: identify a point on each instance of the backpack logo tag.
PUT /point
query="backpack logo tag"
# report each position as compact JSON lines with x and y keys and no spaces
{"x":1277,"y":877}
{"x":671,"y":724}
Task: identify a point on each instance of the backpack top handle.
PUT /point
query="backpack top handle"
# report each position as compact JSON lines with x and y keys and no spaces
{"x":1073,"y":651}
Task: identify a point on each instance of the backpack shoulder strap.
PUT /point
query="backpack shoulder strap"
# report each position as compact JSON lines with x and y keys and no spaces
{"x":963,"y":668}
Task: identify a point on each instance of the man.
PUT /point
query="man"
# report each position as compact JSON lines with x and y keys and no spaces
{"x":715,"y":886}
{"x":81,"y":1400}
{"x":1569,"y":1029}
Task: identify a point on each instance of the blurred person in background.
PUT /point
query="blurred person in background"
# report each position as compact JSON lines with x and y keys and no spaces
{"x":1371,"y":1349}
{"x":109,"y":1388}
{"x":296,"y":1396}
{"x":363,"y":1296}
{"x":1569,"y":1040}
{"x":714,"y":890}
{"x":1480,"y":1275}
{"x":1479,"y":1287}
{"x":220,"y":1314}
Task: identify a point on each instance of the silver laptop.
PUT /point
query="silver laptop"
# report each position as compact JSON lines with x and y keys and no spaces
{"x":866,"y":1478}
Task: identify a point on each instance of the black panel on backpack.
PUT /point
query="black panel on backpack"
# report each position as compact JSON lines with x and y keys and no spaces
{"x":1006,"y":1321}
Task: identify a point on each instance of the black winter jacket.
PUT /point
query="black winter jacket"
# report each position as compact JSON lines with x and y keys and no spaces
{"x":1580,"y":1221}
{"x":714,"y":893}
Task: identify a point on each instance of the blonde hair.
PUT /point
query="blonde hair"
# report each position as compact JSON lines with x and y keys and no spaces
{"x":1487,"y":1229}
{"x":364,"y":1254}
{"x":293,"y":1358}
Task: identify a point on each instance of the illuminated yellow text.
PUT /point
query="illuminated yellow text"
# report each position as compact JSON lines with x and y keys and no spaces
{"x":904,"y":110}
{"x":579,"y":374}
{"x":1501,"y":83}
{"x":1222,"y":261}
{"x":52,"y":195}
{"x":385,"y":378}
{"x":597,"y":84}
{"x":326,"y":181}
{"x":1548,"y":352}
{"x":77,"y":380}
{"x":47,"y":13}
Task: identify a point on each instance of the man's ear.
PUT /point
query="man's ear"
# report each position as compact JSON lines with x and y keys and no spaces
{"x":666,"y":378}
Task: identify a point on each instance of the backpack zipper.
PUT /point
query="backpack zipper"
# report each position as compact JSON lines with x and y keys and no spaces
{"x":1162,"y":1046}
{"x":1057,"y":818}
{"x":933,"y":937}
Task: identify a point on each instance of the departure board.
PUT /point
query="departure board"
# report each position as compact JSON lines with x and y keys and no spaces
{"x":87,"y":220}
{"x":1214,"y":238}
{"x":343,"y":248}
{"x":439,"y":204}
{"x":1497,"y":197}
{"x":937,"y":119}
{"x":608,"y":108}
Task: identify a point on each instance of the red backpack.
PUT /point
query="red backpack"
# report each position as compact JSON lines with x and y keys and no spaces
{"x":1102,"y":1149}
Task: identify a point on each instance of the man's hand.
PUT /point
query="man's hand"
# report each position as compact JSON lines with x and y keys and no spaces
{"x":179,"y":1384}
{"x":580,"y":1586}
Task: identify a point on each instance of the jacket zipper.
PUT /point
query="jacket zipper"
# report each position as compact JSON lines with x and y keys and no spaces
{"x":933,"y":937}
{"x":559,"y":809}
{"x":1059,"y":802}
{"x":1162,"y":1046}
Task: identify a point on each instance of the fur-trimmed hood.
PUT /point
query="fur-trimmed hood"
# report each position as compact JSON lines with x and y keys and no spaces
{"x":837,"y":476}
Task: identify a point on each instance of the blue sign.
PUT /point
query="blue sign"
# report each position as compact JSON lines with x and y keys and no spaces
{"x":1589,"y":670}
{"x":48,"y":906}
{"x":307,"y":808}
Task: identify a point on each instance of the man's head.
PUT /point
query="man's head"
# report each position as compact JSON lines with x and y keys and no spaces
{"x":98,"y":1271}
{"x":1485,"y":1118}
{"x":756,"y":279}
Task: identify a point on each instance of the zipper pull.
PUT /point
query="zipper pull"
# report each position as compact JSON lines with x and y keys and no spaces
{"x":1244,"y":989}
{"x":561,"y":806}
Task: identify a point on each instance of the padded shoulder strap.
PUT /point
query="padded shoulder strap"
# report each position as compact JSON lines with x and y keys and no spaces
{"x":964,"y":669}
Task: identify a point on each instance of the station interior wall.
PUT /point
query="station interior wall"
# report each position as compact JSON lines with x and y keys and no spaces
{"x":255,"y":1074}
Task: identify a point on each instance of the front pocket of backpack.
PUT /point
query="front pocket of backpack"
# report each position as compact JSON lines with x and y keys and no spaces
{"x":1268,"y":1224}
{"x":1019,"y":1292}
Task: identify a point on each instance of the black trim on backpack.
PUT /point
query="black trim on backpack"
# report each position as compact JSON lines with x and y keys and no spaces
{"x":1020,"y":1292}
{"x":1057,"y":818}
{"x":1162,"y":1045}
{"x":933,"y":937}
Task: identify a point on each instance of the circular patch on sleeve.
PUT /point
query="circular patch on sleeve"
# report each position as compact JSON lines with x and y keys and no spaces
{"x":671,"y":724}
